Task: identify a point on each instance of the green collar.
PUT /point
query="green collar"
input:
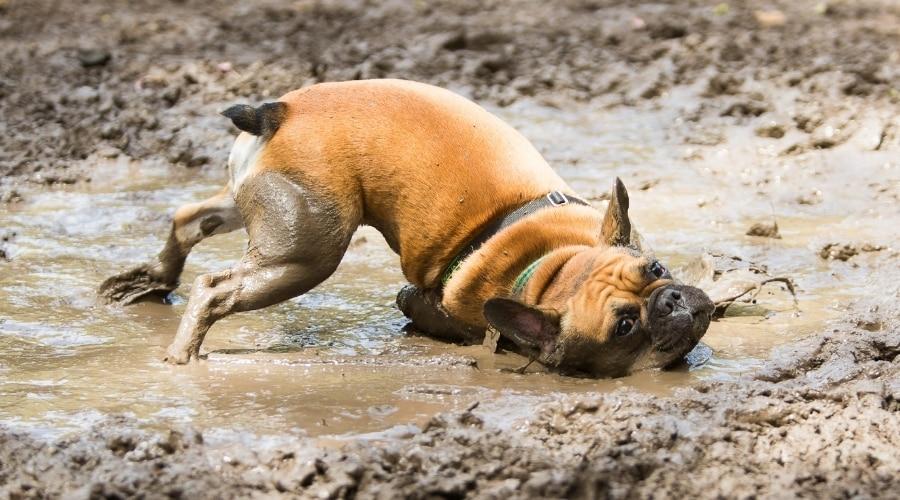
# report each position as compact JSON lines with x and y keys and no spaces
{"x":524,"y":276}
{"x":454,"y":266}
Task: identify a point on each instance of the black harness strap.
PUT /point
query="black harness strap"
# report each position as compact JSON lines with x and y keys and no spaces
{"x":551,"y":199}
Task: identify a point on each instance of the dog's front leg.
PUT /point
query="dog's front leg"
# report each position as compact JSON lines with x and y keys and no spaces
{"x":192,"y":223}
{"x":423,"y":308}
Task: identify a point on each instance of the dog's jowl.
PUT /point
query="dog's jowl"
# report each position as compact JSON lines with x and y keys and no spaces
{"x":487,"y":232}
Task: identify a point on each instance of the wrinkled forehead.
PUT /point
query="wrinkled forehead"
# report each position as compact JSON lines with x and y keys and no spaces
{"x":617,"y":282}
{"x":620,"y":269}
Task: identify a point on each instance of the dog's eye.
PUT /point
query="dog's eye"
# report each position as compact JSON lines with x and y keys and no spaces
{"x":657,"y":269}
{"x":624,"y":327}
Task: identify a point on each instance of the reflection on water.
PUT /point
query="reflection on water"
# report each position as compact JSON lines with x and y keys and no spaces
{"x":336,"y":361}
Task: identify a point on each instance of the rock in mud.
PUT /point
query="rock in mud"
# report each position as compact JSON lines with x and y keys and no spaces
{"x":814,"y":197}
{"x":11,"y":196}
{"x":90,"y":58}
{"x":6,"y":238}
{"x":846,"y":251}
{"x":837,"y":251}
{"x":772,"y":18}
{"x":765,"y":230}
{"x":666,"y":30}
{"x":773,"y":131}
{"x":723,"y":84}
{"x":745,"y":108}
{"x":731,"y":52}
{"x":829,"y":136}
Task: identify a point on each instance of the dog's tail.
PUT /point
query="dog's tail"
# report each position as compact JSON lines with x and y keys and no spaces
{"x":262,"y":121}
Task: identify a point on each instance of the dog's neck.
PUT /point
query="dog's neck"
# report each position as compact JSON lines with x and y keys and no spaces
{"x":542,"y":288}
{"x":554,"y":235}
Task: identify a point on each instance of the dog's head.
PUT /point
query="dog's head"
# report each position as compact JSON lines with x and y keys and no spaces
{"x":608,"y":310}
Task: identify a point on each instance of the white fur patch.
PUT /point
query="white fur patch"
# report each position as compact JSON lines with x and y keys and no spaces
{"x":243,"y":158}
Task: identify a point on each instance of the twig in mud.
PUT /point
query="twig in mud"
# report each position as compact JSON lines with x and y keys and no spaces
{"x":520,"y":370}
{"x":722,"y":305}
{"x":787,"y":282}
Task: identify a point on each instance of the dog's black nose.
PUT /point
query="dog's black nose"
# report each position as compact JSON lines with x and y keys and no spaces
{"x":667,"y":302}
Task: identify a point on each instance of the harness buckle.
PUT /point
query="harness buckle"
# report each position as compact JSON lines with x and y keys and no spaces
{"x":557,"y":199}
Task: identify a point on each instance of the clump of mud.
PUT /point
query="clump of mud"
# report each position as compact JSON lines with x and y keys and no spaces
{"x":765,"y":230}
{"x":6,"y":237}
{"x":846,"y":251}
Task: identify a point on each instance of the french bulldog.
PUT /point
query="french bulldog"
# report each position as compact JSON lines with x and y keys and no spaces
{"x":489,"y":236}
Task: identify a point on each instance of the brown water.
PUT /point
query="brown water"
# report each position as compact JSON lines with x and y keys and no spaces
{"x":335,"y":361}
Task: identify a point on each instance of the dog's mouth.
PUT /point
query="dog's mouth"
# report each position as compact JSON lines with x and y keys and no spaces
{"x":674,"y":345}
{"x":683,"y":340}
{"x":679,"y":317}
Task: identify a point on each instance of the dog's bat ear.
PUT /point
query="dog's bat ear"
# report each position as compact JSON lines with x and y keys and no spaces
{"x":616,"y":229}
{"x":262,"y":121}
{"x":534,"y":330}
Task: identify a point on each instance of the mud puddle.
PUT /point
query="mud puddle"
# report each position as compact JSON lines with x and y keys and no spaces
{"x":336,"y":361}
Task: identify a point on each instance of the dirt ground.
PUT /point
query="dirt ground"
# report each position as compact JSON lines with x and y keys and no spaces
{"x":820,"y":419}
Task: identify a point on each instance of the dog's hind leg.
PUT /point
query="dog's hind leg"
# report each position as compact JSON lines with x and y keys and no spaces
{"x":192,"y":223}
{"x":297,"y":241}
{"x":248,"y":286}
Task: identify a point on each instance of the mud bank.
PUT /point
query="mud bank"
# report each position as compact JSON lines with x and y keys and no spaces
{"x":146,"y":79}
{"x":819,"y":420}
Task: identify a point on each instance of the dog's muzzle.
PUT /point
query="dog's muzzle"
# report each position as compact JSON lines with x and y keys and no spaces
{"x":679,"y":316}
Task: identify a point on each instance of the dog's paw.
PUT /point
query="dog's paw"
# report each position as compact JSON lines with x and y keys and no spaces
{"x":407,"y":294}
{"x":131,"y":286}
{"x":177,"y":356}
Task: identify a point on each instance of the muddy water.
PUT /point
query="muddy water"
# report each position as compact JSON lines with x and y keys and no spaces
{"x":336,"y":361}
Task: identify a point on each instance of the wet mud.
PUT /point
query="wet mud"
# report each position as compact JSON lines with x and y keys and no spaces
{"x":759,"y":145}
{"x":819,"y":420}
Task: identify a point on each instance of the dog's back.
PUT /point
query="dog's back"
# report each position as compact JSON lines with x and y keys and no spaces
{"x":421,"y":164}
